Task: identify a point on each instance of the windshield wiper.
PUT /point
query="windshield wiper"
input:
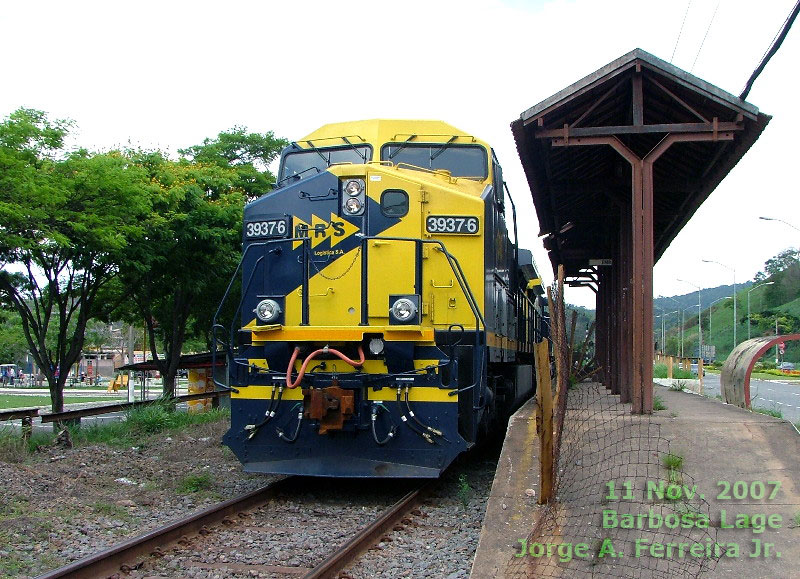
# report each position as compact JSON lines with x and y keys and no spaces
{"x":296,"y":176}
{"x":441,"y":150}
{"x":318,"y":152}
{"x":352,"y":146}
{"x":402,"y":146}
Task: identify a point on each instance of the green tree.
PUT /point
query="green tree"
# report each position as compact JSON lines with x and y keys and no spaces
{"x":175,"y":274}
{"x":249,"y":154}
{"x":65,"y":220}
{"x":13,"y":345}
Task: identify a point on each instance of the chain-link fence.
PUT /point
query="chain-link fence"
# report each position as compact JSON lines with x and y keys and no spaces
{"x":622,"y":505}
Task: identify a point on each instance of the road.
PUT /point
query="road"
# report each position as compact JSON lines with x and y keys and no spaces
{"x":769,"y":394}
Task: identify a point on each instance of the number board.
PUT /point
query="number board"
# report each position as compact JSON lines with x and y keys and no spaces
{"x":265,"y":228}
{"x":452,"y":224}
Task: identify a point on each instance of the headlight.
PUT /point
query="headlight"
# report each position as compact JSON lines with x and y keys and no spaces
{"x":403,"y":310}
{"x":376,"y":346}
{"x":352,"y":205}
{"x":354,"y":187}
{"x":267,"y":310}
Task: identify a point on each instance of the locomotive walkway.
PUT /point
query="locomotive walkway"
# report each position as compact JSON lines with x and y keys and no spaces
{"x":718,"y":443}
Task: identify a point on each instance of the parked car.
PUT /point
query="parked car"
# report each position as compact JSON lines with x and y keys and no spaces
{"x":787,"y":366}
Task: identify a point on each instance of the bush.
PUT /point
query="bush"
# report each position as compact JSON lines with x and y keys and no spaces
{"x":660,"y":371}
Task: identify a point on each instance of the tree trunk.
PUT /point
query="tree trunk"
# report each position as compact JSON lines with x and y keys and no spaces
{"x":56,"y":392}
{"x":169,"y":384}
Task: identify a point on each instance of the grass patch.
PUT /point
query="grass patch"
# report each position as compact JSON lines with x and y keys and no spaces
{"x":464,"y":492}
{"x":140,"y":422}
{"x":658,"y":403}
{"x":775,"y":412}
{"x":770,"y":376}
{"x":677,"y":386}
{"x":796,"y":519}
{"x":195,"y":483}
{"x":660,"y":371}
{"x":110,"y":510}
{"x":8,"y":401}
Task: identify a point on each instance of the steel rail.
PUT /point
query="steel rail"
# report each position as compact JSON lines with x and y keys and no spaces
{"x":109,"y":561}
{"x":365,"y":538}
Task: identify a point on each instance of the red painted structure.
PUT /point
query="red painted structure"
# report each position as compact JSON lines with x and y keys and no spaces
{"x":735,"y":376}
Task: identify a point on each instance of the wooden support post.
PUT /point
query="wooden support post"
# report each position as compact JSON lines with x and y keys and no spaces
{"x":544,"y":421}
{"x":570,"y":351}
{"x":670,"y":361}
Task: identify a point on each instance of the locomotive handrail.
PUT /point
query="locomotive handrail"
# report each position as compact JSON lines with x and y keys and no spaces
{"x":455,"y":266}
{"x":214,"y":325}
{"x":458,"y":272}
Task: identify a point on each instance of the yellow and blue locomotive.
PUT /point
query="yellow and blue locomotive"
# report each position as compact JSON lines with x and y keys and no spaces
{"x":386,"y":319}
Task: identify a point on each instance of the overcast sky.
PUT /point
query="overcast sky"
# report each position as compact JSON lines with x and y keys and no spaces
{"x":168,"y":74}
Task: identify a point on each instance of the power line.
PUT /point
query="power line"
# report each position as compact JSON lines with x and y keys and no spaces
{"x":776,"y":44}
{"x":677,"y":40}
{"x":706,"y":35}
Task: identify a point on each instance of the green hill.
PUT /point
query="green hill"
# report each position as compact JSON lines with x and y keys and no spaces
{"x":778,"y":301}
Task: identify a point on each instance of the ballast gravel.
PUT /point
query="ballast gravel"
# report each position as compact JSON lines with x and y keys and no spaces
{"x":60,"y":505}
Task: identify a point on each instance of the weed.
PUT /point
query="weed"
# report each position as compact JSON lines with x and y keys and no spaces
{"x":194,"y":483}
{"x":796,"y":519}
{"x":673,"y":461}
{"x":658,"y":403}
{"x":673,"y":414}
{"x":677,"y":386}
{"x":464,"y":491}
{"x":111,"y":510}
{"x":775,"y":412}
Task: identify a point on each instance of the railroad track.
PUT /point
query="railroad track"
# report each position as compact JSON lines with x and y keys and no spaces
{"x":128,"y":555}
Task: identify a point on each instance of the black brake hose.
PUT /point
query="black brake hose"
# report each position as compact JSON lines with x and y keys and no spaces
{"x":269,"y":414}
{"x":422,"y":425}
{"x":392,"y":430}
{"x":427,"y":437}
{"x":294,"y":436}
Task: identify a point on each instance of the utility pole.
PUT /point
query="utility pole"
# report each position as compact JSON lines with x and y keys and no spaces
{"x":748,"y":304}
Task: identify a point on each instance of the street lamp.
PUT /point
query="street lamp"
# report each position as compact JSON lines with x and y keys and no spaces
{"x":709,"y":312}
{"x":781,"y":220}
{"x":663,"y":329}
{"x":682,"y":323}
{"x":748,"y":303}
{"x":734,"y":293}
{"x":699,"y":320}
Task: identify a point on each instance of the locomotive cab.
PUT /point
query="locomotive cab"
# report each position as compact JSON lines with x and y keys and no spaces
{"x":385,"y":317}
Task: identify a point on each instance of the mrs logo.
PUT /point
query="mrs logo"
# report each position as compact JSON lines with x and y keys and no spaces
{"x":336,"y":230}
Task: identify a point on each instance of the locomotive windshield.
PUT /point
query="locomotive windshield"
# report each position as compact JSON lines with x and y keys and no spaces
{"x":308,"y":162}
{"x":460,"y":160}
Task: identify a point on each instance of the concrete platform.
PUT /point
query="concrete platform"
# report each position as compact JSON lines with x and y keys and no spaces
{"x":603,"y":443}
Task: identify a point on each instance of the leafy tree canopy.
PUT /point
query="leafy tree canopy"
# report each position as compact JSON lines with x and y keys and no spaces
{"x":65,"y":219}
{"x":175,"y":274}
{"x":249,"y":154}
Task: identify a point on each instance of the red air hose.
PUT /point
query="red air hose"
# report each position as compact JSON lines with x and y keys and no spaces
{"x":296,"y":383}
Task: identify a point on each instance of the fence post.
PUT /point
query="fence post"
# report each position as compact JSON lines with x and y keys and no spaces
{"x":544,"y":420}
{"x":669,"y":367}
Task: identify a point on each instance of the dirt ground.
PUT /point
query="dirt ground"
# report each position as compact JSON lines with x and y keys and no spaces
{"x":60,"y":504}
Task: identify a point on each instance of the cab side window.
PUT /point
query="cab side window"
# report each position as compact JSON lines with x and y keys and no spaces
{"x":394,"y":203}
